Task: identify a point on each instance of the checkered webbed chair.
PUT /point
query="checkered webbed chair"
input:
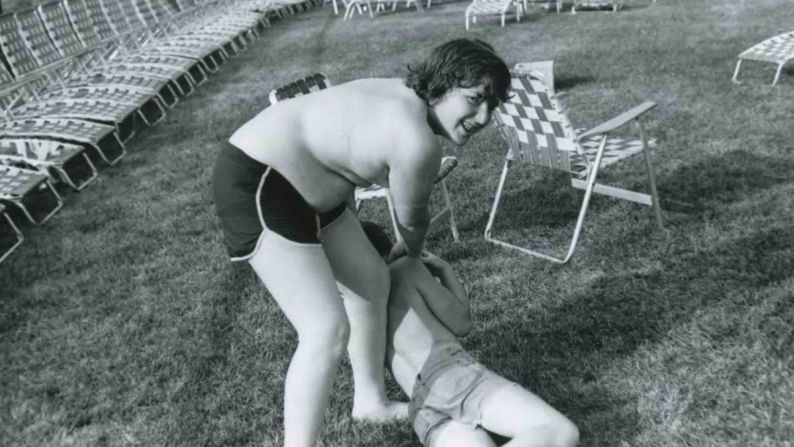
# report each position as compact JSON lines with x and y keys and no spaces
{"x":318,"y":82}
{"x":19,"y":186}
{"x":89,"y":37}
{"x":37,"y":40}
{"x":70,"y":162}
{"x":17,"y":235}
{"x":538,"y":132}
{"x":614,"y":4}
{"x":778,"y":50}
{"x":100,"y":138}
{"x":492,"y":7}
{"x":241,"y":26}
{"x":154,"y":39}
{"x":27,"y":48}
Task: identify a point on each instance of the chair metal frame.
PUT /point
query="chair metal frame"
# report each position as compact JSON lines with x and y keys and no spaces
{"x":20,"y":237}
{"x":537,"y":131}
{"x":16,"y":198}
{"x":777,"y":50}
{"x":47,"y":156}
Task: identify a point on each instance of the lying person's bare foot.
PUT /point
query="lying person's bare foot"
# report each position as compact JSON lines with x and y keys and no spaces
{"x":384,"y":412}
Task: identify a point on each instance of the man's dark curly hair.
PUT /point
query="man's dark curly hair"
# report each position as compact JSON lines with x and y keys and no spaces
{"x":460,"y":63}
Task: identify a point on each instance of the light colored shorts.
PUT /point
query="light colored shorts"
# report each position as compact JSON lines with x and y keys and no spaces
{"x":451,"y":386}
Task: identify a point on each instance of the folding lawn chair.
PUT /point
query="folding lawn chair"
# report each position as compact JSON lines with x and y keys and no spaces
{"x":537,"y":131}
{"x":80,"y":27}
{"x":492,"y":7}
{"x":100,"y":138}
{"x":777,"y":50}
{"x":18,"y":238}
{"x":614,"y":4}
{"x":69,"y":161}
{"x":27,"y":48}
{"x":318,"y":82}
{"x":18,"y":184}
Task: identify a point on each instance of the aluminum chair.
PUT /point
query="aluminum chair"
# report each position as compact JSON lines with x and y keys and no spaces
{"x":69,"y":161}
{"x":778,"y":50}
{"x":17,"y":234}
{"x":538,"y":132}
{"x":17,"y":184}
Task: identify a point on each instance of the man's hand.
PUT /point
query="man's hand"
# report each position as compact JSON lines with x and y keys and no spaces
{"x":398,"y":251}
{"x":434,"y":264}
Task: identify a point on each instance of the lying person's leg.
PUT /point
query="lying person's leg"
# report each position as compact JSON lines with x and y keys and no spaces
{"x":516,"y":413}
{"x":299,"y":278}
{"x":364,"y":280}
{"x":458,"y":434}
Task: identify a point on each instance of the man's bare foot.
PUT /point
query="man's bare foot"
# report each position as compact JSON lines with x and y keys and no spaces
{"x":386,"y":412}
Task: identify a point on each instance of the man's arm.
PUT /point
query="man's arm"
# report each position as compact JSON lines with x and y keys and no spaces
{"x":445,"y":296}
{"x":412,"y":169}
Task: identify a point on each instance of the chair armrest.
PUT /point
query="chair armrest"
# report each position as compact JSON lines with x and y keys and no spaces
{"x":618,"y":121}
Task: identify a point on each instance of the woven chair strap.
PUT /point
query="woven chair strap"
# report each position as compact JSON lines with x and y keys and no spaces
{"x":534,"y":125}
{"x":14,"y":49}
{"x":36,"y":38}
{"x":778,"y":49}
{"x":304,"y":86}
{"x":15,"y":183}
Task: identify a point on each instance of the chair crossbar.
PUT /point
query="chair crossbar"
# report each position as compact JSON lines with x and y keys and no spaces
{"x":18,"y":234}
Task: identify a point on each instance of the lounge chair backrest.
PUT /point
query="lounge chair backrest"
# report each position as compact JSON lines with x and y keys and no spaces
{"x":82,"y":23}
{"x":131,"y":14}
{"x":300,"y":87}
{"x":57,"y":23}
{"x":535,"y":126}
{"x":32,"y":29}
{"x":145,"y":13}
{"x":158,"y":8}
{"x":16,"y":53}
{"x":102,"y":26}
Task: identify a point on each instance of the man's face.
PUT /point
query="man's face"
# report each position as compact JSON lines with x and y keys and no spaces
{"x":462,"y":112}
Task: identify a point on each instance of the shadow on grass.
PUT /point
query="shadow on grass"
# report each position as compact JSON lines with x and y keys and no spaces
{"x":619,"y":313}
{"x":701,"y":189}
{"x":705,"y":187}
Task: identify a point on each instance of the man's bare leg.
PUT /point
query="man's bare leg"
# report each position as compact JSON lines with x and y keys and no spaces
{"x":364,"y":281}
{"x":299,"y":278}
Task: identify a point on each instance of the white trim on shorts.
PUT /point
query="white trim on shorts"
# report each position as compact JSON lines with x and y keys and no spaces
{"x":265,"y":229}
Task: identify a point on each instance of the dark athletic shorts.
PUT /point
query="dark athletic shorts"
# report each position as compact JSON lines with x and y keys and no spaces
{"x":251,"y":197}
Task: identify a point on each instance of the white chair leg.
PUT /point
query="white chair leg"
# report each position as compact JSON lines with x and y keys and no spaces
{"x":657,"y":209}
{"x":19,"y":240}
{"x":495,"y":206}
{"x":591,"y":180}
{"x":453,"y":226}
{"x":777,"y":73}
{"x":393,"y":215}
{"x":735,"y":77}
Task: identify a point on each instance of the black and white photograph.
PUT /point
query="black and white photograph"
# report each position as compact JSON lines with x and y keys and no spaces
{"x":396,"y":223}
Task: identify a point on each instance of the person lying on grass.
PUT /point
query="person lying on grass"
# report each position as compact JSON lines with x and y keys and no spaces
{"x":280,"y":187}
{"x":454,"y":399}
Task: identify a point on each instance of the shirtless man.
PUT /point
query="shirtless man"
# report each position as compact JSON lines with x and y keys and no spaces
{"x":454,"y":399}
{"x":280,"y":189}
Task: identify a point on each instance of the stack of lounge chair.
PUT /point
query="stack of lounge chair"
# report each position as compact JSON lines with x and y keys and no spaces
{"x":79,"y":78}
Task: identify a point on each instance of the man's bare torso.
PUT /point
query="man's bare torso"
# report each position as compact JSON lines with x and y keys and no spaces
{"x":328,"y":142}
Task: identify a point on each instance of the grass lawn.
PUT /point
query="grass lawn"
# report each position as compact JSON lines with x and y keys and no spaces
{"x":122,"y":323}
